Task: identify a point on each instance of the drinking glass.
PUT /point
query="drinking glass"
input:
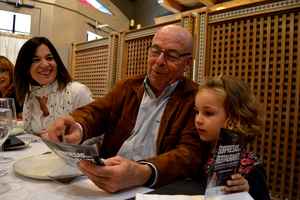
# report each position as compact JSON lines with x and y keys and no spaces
{"x":11,"y":105}
{"x":8,"y":103}
{"x":5,"y":128}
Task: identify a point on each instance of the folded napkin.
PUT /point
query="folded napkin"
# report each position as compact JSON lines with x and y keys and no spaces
{"x":13,"y":141}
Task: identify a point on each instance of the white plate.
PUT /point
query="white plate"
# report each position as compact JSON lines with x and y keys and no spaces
{"x":38,"y":167}
{"x":26,"y":143}
{"x":16,"y":131}
{"x":20,"y":124}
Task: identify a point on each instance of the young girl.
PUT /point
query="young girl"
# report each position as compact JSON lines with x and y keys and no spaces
{"x":228,"y":102}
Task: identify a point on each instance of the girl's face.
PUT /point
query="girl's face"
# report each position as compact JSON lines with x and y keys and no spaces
{"x":43,"y":67}
{"x":210,"y":115}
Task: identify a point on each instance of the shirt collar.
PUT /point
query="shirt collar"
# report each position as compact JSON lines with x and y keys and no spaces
{"x":167,"y":91}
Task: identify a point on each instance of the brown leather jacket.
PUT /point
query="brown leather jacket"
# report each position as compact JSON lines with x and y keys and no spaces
{"x":179,"y":149}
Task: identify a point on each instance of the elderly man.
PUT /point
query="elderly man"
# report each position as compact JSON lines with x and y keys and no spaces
{"x":148,"y":120}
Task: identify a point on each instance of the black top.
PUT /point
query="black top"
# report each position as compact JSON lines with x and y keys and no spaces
{"x":19,"y":108}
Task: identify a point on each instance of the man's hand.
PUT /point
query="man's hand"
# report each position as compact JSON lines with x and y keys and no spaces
{"x":65,"y":129}
{"x":237,"y":184}
{"x":119,"y":173}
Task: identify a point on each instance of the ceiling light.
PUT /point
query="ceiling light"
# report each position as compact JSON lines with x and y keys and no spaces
{"x":220,"y":7}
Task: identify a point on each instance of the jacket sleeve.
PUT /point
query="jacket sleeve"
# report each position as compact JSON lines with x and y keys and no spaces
{"x":94,"y":116}
{"x":106,"y":115}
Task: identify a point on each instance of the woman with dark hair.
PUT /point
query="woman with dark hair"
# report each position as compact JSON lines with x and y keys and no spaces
{"x":45,"y":87}
{"x":6,"y":83}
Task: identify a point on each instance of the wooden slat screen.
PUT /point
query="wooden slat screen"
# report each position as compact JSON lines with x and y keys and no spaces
{"x":91,"y":69}
{"x":89,"y":63}
{"x":264,"y":51}
{"x":188,"y":22}
{"x":137,"y":56}
{"x":94,"y":64}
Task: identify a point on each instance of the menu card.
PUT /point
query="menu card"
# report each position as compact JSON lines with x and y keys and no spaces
{"x":225,"y":162}
{"x":72,"y":153}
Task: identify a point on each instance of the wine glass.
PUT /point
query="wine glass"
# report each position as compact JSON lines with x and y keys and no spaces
{"x":11,"y":105}
{"x":5,"y":128}
{"x":8,"y":103}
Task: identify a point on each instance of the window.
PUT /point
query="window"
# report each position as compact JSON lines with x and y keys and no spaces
{"x":92,"y":36}
{"x":96,"y":5}
{"x":15,"y":22}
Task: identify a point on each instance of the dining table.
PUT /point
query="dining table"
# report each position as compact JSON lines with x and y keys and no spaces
{"x":30,"y":187}
{"x":27,"y":188}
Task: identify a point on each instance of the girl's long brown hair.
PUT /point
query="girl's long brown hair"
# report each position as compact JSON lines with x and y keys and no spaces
{"x":244,"y":111}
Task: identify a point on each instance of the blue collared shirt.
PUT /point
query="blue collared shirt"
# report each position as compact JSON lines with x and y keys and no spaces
{"x":142,"y":141}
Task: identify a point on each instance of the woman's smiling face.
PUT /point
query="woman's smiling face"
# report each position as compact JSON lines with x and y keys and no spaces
{"x":43,"y":67}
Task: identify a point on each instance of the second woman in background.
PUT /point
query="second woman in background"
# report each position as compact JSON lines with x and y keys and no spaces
{"x":6,"y":83}
{"x":43,"y":83}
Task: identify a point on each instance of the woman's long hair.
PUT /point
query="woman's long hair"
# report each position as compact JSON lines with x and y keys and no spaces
{"x":22,"y":77}
{"x":6,"y":64}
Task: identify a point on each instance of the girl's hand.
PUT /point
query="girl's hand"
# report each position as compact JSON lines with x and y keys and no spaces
{"x":237,"y":184}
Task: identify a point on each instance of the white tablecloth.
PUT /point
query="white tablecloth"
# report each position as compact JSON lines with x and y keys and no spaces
{"x":28,"y":189}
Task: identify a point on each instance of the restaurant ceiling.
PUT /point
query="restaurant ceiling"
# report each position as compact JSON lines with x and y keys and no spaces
{"x":186,"y":5}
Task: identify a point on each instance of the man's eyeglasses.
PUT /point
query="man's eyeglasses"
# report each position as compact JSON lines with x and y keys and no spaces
{"x":3,"y":71}
{"x":170,"y":56}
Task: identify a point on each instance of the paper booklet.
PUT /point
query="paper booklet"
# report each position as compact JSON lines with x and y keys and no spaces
{"x":225,"y":162}
{"x":72,"y":153}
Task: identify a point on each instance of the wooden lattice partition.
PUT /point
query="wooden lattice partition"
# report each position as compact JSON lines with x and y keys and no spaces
{"x":133,"y":54}
{"x":263,"y":49}
{"x":188,"y":22}
{"x":94,"y":64}
{"x":136,"y":56}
